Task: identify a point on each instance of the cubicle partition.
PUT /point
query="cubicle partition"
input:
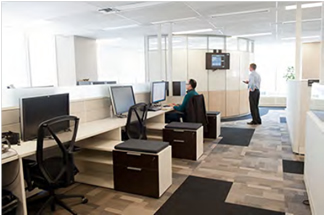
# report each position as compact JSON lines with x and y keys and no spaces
{"x":89,"y":103}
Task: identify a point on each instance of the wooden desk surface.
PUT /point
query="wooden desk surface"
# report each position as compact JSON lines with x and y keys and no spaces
{"x":85,"y":130}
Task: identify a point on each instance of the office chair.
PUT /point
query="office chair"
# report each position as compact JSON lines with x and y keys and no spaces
{"x":195,"y":111}
{"x":136,"y":122}
{"x":54,"y":168}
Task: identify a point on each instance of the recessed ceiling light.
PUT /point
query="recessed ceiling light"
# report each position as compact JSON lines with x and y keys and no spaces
{"x":120,"y":27}
{"x":174,"y":20}
{"x":254,"y":35}
{"x":140,"y":5}
{"x":241,"y":12}
{"x":193,"y":31}
{"x":294,"y":38}
{"x":307,"y":20}
{"x":309,"y":5}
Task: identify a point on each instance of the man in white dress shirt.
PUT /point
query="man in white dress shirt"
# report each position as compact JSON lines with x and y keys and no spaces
{"x":254,"y":83}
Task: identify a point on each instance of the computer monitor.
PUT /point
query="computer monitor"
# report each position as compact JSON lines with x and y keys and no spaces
{"x":122,"y":99}
{"x":35,"y":110}
{"x":158,"y":92}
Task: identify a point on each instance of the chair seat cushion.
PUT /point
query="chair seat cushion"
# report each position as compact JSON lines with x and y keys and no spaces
{"x":184,"y":125}
{"x":142,"y":146}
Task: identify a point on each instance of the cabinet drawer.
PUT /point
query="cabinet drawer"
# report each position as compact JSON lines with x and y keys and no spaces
{"x":175,"y":134}
{"x":185,"y":150}
{"x":136,"y":180}
{"x":135,"y":159}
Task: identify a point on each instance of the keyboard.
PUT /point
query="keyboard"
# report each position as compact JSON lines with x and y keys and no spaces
{"x":154,"y":109}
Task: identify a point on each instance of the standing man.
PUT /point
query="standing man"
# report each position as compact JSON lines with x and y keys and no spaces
{"x":254,"y":83}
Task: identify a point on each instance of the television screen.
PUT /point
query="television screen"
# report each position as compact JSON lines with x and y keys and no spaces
{"x":35,"y":110}
{"x":217,"y":61}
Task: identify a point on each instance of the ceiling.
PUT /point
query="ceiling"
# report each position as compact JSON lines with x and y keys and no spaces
{"x":136,"y":18}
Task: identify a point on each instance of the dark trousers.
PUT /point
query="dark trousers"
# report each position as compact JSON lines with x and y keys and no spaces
{"x":172,"y":117}
{"x":254,"y":97}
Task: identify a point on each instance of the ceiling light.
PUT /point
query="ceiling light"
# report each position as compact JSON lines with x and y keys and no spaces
{"x":120,"y":27}
{"x":307,"y":20}
{"x":294,"y":38}
{"x":138,"y":5}
{"x":174,"y":20}
{"x":193,"y":31}
{"x":241,"y":12}
{"x":309,"y":5}
{"x":254,"y":35}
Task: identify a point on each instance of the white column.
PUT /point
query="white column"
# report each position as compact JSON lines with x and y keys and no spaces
{"x":298,"y":42}
{"x":170,"y":58}
{"x":322,"y":49}
{"x":160,"y":60}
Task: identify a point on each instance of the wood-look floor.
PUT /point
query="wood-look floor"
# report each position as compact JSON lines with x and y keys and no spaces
{"x":256,"y":173}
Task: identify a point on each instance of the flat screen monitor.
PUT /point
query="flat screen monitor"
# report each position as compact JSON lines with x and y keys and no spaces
{"x":35,"y":110}
{"x":158,"y":92}
{"x":217,"y":61}
{"x":122,"y":98}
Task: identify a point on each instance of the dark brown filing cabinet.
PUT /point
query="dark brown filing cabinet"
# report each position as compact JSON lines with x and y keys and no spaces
{"x":185,"y":138}
{"x":213,"y":128}
{"x":144,"y":171}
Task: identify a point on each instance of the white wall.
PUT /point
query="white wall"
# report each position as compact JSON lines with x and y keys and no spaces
{"x":85,"y":58}
{"x":65,"y":57}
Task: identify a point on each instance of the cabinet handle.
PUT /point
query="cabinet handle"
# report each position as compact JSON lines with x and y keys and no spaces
{"x":134,"y":168}
{"x":133,"y":153}
{"x":181,"y":141}
{"x":177,"y":130}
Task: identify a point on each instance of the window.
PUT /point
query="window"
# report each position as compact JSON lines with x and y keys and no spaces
{"x":42,"y":55}
{"x":14,"y":59}
{"x":121,"y":60}
{"x":198,"y":43}
{"x":216,"y":43}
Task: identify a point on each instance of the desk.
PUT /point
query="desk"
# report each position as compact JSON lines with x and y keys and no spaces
{"x":97,"y":139}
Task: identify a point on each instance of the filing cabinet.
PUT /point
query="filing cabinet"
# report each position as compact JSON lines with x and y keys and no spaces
{"x":185,"y":138}
{"x":213,"y":127}
{"x":142,"y":167}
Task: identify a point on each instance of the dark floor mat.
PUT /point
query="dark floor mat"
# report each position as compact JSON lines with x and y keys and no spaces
{"x":263,"y":111}
{"x":283,"y":120}
{"x":296,"y":167}
{"x":202,"y":196}
{"x":236,"y":136}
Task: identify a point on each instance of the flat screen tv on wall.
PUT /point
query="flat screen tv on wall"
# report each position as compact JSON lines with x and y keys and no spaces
{"x":217,"y":61}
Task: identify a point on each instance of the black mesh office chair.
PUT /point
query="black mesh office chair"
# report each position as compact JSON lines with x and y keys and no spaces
{"x":54,"y":167}
{"x":136,"y":123}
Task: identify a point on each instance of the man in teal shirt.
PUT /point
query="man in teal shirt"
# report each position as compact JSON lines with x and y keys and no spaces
{"x":190,"y":87}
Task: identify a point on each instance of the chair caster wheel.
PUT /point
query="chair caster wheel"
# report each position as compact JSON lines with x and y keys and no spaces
{"x":84,"y":200}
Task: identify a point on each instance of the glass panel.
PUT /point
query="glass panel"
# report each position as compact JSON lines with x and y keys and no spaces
{"x":242,"y":44}
{"x":216,"y":43}
{"x":250,"y":46}
{"x":153,"y":43}
{"x":231,"y":43}
{"x":14,"y":59}
{"x":42,"y":56}
{"x":199,"y":42}
{"x":179,"y":42}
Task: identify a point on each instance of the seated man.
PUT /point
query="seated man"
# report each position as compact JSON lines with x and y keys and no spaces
{"x":172,"y":116}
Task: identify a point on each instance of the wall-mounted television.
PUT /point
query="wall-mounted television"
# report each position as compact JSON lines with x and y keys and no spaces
{"x":217,"y":61}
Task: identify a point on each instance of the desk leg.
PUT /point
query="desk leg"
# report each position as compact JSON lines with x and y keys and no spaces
{"x":18,"y":186}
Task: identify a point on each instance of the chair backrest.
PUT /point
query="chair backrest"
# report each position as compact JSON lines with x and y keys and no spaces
{"x":136,"y":122}
{"x":195,"y":110}
{"x":56,"y":163}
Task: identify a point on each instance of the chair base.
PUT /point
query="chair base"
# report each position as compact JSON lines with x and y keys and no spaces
{"x":56,"y":199}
